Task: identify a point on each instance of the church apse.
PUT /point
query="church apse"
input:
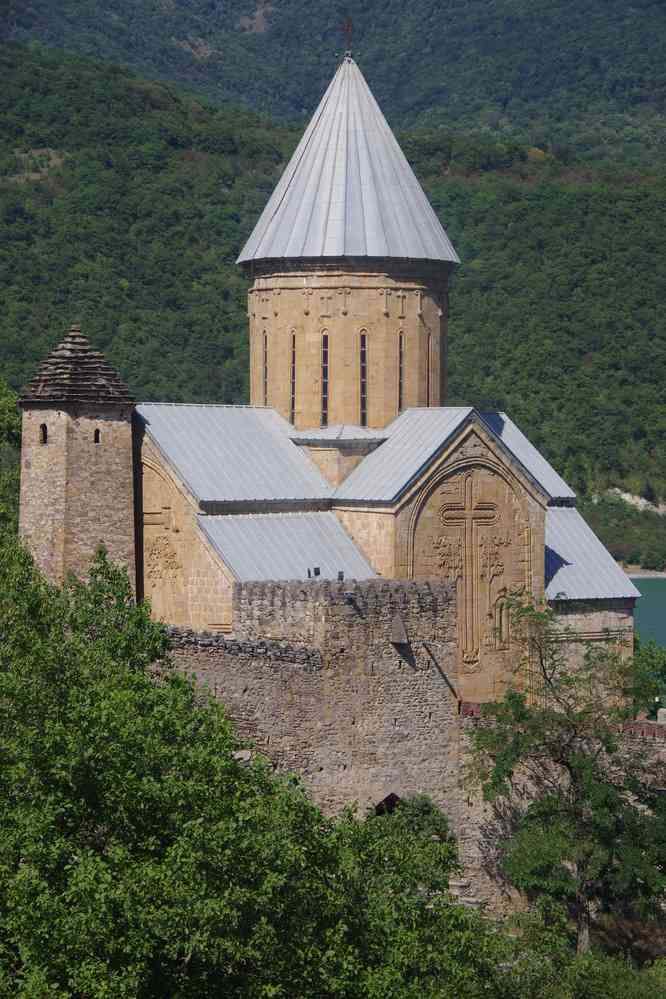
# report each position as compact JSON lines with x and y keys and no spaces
{"x":476,"y":525}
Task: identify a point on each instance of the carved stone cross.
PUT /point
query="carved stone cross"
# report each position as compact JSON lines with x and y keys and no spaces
{"x":346,"y":295}
{"x":401,"y":296}
{"x":419,"y":302}
{"x":386,"y":294}
{"x":469,"y":514}
{"x":307,"y":293}
{"x":326,"y":298}
{"x":265,"y":304}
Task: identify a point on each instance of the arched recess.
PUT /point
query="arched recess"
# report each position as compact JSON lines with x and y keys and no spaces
{"x":471,"y":526}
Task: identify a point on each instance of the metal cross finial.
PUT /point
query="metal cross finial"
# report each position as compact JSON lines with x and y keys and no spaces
{"x":348,"y":29}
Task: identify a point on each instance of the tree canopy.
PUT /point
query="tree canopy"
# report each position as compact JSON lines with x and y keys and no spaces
{"x":580,"y":816}
{"x":127,"y":203}
{"x":587,"y":76}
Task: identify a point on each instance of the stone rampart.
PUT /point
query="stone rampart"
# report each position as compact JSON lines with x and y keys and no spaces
{"x":350,"y":684}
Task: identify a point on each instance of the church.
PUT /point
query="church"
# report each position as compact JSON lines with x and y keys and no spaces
{"x":347,"y":468}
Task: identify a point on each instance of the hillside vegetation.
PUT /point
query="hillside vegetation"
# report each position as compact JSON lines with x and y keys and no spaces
{"x":124,"y":204}
{"x":586,"y":75}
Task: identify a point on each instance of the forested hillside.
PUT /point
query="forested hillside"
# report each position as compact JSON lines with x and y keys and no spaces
{"x":587,"y":75}
{"x":124,"y":204}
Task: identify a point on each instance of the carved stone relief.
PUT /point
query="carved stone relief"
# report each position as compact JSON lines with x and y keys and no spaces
{"x":161,"y":559}
{"x":473,"y":530}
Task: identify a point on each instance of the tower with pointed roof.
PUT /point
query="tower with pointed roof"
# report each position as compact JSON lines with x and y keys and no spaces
{"x":77,"y":487}
{"x":350,"y":268}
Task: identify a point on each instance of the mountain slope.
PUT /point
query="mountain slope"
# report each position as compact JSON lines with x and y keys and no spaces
{"x":585,"y":74}
{"x":128,"y":202}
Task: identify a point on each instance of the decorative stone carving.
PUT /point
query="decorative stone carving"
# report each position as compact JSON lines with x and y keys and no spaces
{"x":326,"y":297}
{"x":161,"y":560}
{"x":385,"y":294}
{"x":473,"y":530}
{"x":346,"y":295}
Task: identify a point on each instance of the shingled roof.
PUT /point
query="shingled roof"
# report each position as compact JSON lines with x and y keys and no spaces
{"x":75,"y":373}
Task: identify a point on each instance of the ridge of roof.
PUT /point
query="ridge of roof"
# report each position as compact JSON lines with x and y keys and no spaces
{"x":416,"y":437}
{"x":348,"y":190}
{"x":75,"y":373}
{"x":233,"y":454}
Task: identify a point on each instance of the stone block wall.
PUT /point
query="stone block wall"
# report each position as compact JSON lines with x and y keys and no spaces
{"x":318,"y":679}
{"x":77,"y":488}
{"x":315,"y":679}
{"x":289,"y":312}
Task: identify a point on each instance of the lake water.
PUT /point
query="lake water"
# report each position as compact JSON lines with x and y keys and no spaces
{"x":651,"y":608}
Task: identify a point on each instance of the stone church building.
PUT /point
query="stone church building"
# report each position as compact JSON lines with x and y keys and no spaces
{"x":335,"y":558}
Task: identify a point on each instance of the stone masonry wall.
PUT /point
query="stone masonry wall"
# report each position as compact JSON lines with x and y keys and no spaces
{"x":289,"y":312}
{"x":43,"y":488}
{"x":99,"y":506}
{"x":77,"y":492}
{"x":350,"y":686}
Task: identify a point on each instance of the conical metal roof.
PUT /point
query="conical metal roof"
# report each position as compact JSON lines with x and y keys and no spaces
{"x":348,"y":190}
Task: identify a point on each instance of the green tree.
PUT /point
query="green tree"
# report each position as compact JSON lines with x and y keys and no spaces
{"x":10,"y":445}
{"x":579,"y":816}
{"x":141,"y":856}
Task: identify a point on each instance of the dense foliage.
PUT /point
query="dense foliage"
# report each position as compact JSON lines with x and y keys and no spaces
{"x":139,"y":856}
{"x":635,"y":537}
{"x":585,"y":74}
{"x":580,"y":819}
{"x":143,"y":856}
{"x":146,"y":196}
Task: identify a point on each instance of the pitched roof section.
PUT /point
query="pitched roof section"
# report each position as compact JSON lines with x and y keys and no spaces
{"x":343,"y":433}
{"x":578,"y":567}
{"x":413,"y":440}
{"x":532,"y":460}
{"x":283,"y":546}
{"x":418,"y":435}
{"x":75,"y":373}
{"x":348,"y":190}
{"x":233,"y":454}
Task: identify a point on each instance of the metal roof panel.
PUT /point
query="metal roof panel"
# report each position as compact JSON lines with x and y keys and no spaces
{"x":578,"y":567}
{"x":283,"y":546}
{"x":229,"y":454}
{"x":412,"y":441}
{"x":531,"y":459}
{"x":348,"y":190}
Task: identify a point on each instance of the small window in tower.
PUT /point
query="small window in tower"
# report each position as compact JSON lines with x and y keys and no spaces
{"x":292,"y":381}
{"x":265,"y":369}
{"x":401,"y":372}
{"x":97,"y":437}
{"x":324,"y":379}
{"x":43,"y":434}
{"x":429,"y":371}
{"x":364,"y":379}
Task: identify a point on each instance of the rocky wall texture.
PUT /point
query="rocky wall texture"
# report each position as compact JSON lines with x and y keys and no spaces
{"x":353,"y":687}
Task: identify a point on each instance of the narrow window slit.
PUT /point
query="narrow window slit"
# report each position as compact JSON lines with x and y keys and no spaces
{"x":292,"y":396}
{"x":43,"y":434}
{"x":265,"y":369}
{"x":364,"y":380}
{"x":324,"y":379}
{"x":401,"y":372}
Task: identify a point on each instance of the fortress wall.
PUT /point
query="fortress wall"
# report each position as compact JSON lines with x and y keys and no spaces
{"x":315,"y":680}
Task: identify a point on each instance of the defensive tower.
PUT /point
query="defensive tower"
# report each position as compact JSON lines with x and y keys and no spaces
{"x":77,"y":483}
{"x":350,"y":266}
